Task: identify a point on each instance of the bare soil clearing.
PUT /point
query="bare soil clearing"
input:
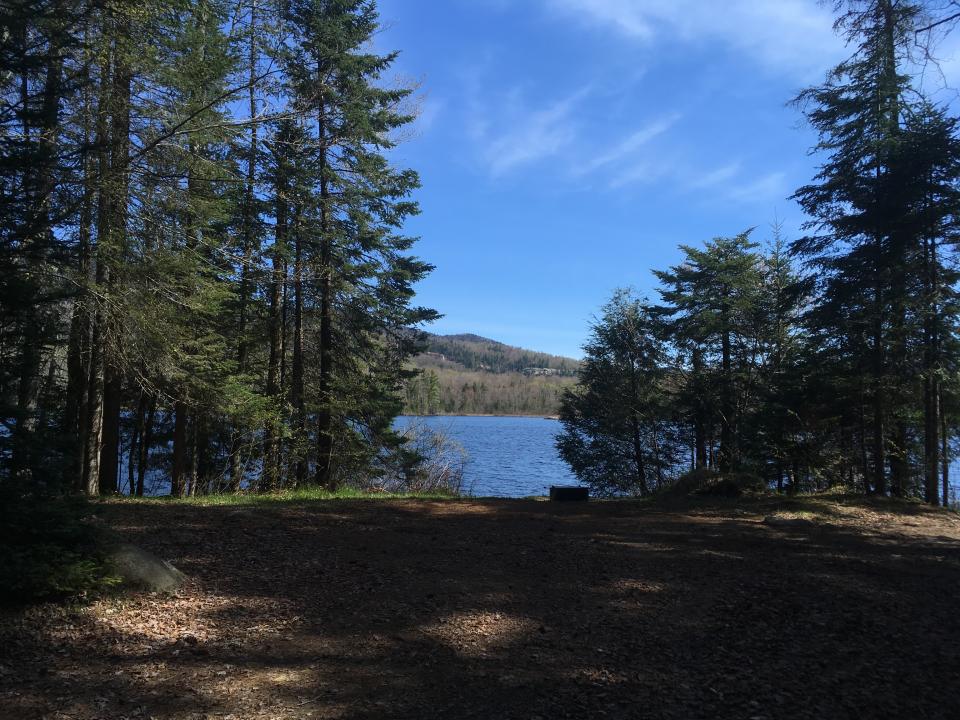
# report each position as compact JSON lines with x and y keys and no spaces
{"x":510,"y":609}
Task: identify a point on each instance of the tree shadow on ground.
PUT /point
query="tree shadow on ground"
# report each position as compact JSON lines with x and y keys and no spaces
{"x":506,"y":609}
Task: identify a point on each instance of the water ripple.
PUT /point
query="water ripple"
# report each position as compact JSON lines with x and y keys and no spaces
{"x":509,"y":456}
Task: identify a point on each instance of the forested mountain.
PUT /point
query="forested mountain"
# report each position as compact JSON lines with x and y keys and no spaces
{"x":474,"y":352}
{"x":203,"y":269}
{"x":472,"y":375}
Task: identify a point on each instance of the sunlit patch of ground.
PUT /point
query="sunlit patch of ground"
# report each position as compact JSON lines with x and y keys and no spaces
{"x":476,"y":634}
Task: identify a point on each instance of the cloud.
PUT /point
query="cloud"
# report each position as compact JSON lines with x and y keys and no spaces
{"x":628,"y":16}
{"x":637,"y":173}
{"x":793,"y":36}
{"x":768,"y":187}
{"x":716,"y":177}
{"x":632,"y":143}
{"x":512,"y":132}
{"x":729,"y":183}
{"x":516,"y":134}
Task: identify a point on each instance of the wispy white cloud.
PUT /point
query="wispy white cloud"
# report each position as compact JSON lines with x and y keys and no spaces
{"x":729,"y":183}
{"x":631,"y":144}
{"x":716,"y":177}
{"x":793,"y":36}
{"x":642,"y":172}
{"x":771,"y":186}
{"x":536,"y":135}
{"x":510,"y":132}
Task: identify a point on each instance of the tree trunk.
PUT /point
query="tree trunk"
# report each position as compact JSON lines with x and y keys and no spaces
{"x":249,"y":235}
{"x":78,"y":370}
{"x":324,"y":470}
{"x":899,"y":467}
{"x":639,"y":464}
{"x":110,"y":445}
{"x":890,"y":116}
{"x":699,"y":422}
{"x":727,"y":455}
{"x":136,"y":439}
{"x":931,"y":389}
{"x":178,"y":478}
{"x":249,"y":213}
{"x":192,"y":460}
{"x":92,"y":445}
{"x":118,"y":188}
{"x":944,"y":454}
{"x":94,"y":423}
{"x":271,"y":452}
{"x":879,"y":445}
{"x":864,"y":464}
{"x":78,"y":365}
{"x":39,"y":186}
{"x":296,"y":391}
{"x":146,"y":442}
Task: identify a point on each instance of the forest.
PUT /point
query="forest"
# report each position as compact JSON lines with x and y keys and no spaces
{"x":474,"y":352}
{"x":472,"y":375}
{"x":444,"y":391}
{"x":204,"y":275}
{"x":828,"y":361}
{"x":203,"y":270}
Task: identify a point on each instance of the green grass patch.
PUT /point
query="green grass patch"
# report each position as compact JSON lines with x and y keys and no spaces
{"x":289,"y":497}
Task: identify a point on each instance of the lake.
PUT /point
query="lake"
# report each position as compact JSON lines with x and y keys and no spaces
{"x":508,"y":456}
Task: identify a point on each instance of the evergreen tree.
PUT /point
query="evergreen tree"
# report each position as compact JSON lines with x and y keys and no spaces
{"x":712,"y":299}
{"x":616,"y":436}
{"x":142,"y":316}
{"x":356,"y":276}
{"x":868,"y":234}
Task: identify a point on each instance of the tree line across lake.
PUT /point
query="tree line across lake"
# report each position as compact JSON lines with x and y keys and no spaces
{"x":441,"y":391}
{"x":828,"y":361}
{"x":473,"y":375}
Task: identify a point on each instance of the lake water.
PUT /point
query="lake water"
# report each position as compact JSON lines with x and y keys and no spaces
{"x":508,"y":456}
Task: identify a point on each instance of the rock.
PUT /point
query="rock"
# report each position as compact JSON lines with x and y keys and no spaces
{"x":137,"y":567}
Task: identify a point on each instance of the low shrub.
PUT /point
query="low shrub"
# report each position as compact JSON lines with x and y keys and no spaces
{"x":434,"y":463}
{"x":50,"y":548}
{"x":706,"y":481}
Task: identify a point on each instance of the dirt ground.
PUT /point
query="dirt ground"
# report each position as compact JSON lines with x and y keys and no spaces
{"x":510,"y":609}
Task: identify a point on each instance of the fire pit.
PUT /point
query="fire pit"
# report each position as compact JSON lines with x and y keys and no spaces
{"x":569,"y":493}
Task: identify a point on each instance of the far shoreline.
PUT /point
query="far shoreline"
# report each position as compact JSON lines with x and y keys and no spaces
{"x":489,"y":415}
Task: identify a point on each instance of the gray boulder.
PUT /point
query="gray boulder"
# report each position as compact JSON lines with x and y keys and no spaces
{"x":137,"y":567}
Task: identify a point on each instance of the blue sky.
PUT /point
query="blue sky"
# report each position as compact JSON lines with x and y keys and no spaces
{"x":566,"y":147}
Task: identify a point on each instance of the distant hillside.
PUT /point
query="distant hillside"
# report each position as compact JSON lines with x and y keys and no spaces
{"x":473,"y":352}
{"x":472,"y":375}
